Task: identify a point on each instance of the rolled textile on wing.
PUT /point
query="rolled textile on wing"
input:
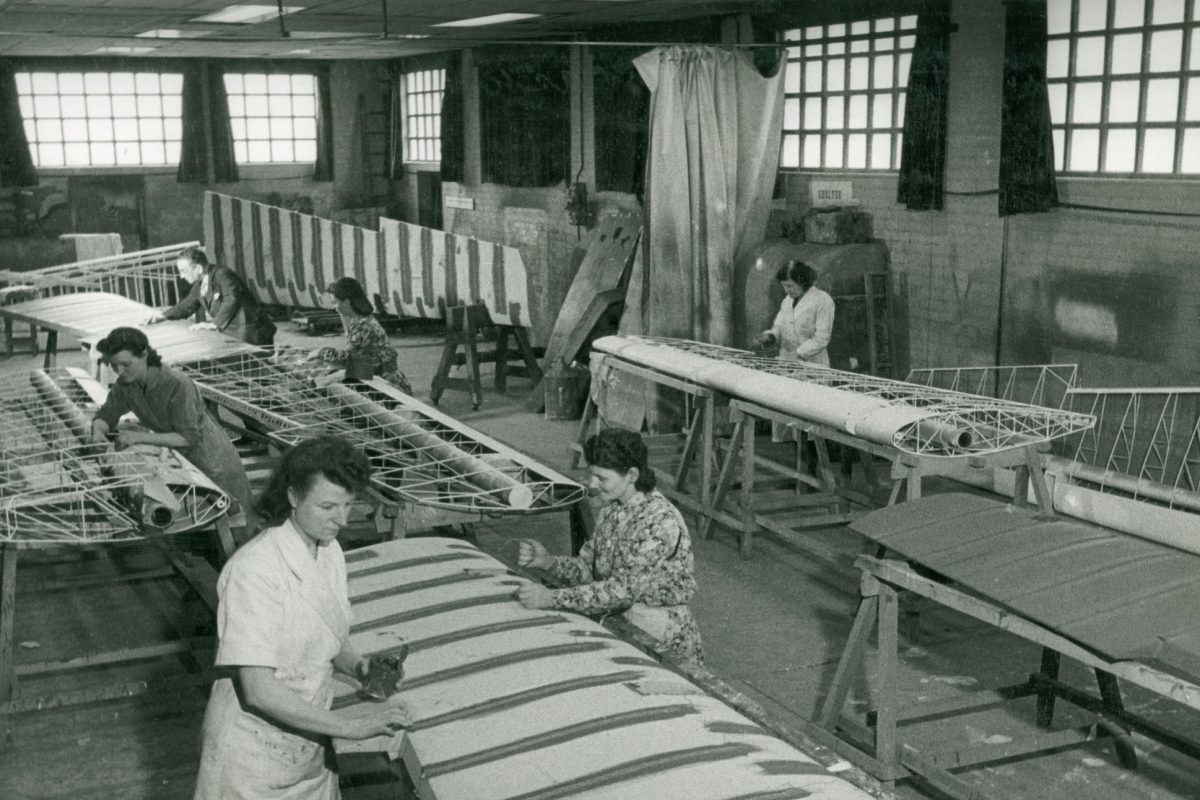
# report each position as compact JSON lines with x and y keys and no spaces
{"x":406,"y":426}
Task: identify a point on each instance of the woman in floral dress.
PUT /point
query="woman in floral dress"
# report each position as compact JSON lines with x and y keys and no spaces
{"x":639,"y":561}
{"x":368,"y":353}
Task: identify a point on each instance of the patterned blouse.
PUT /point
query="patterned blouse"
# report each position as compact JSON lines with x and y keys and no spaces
{"x":368,"y":344}
{"x":640,"y":553}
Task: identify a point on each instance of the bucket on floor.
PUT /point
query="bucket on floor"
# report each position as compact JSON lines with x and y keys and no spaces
{"x":566,"y":391}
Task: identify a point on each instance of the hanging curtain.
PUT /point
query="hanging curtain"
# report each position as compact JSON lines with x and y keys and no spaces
{"x":524,"y":103}
{"x":395,"y":140}
{"x":622,"y":129}
{"x":16,"y":162}
{"x":323,"y":171}
{"x":1027,"y":180}
{"x":207,"y":134}
{"x":715,"y":130}
{"x":923,"y":152}
{"x":452,"y":120}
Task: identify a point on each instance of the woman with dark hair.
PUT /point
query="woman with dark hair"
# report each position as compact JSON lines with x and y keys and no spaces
{"x":639,"y":561}
{"x":804,"y":324}
{"x":169,"y":404}
{"x":228,"y":303}
{"x":368,"y":353}
{"x":283,"y":627}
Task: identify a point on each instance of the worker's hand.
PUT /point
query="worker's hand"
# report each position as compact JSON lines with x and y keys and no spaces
{"x":764,"y":340}
{"x":531,"y":553}
{"x":129,"y":439}
{"x":534,"y":595}
{"x":204,"y":326}
{"x":384,"y":719}
{"x":154,"y":318}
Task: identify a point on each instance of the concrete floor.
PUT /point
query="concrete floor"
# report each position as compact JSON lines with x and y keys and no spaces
{"x":773,"y":628}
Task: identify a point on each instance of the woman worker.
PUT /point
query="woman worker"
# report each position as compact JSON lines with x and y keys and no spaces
{"x":804,"y":324}
{"x":283,"y":627}
{"x":368,"y":353}
{"x":639,"y":562}
{"x":170,"y":405}
{"x":228,"y":303}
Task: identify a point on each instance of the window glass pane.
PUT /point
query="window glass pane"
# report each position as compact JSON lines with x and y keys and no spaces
{"x":75,"y":130}
{"x":172,"y":82}
{"x":234,"y":83}
{"x":306,"y":151}
{"x":881,"y":111}
{"x":304,"y":84}
{"x":279,"y":105}
{"x":858,"y":74}
{"x":1194,"y":52}
{"x":1089,"y":55}
{"x":1093,"y":15}
{"x":812,"y":113}
{"x":50,"y":155}
{"x":1058,"y":102}
{"x":1123,"y":101}
{"x":812,"y":76}
{"x":899,"y":150}
{"x":149,"y":105}
{"x":885,"y":24}
{"x":834,"y":147}
{"x":1162,"y":100}
{"x":1058,"y":16}
{"x":856,"y":151}
{"x":791,"y":113}
{"x":1057,"y":54}
{"x":102,"y":154}
{"x":146,"y":83}
{"x":237,"y":105}
{"x":860,"y":27}
{"x":241,"y":152}
{"x":858,"y":111}
{"x":1085,"y":150}
{"x":1190,"y":164}
{"x":154,"y":153}
{"x":306,"y":128}
{"x":1129,"y":13}
{"x":1120,"y":151}
{"x":814,"y":32}
{"x":907,"y":42}
{"x":172,"y":129}
{"x":124,"y":105}
{"x":791,"y":78}
{"x":1158,"y":150}
{"x":909,"y":21}
{"x":100,"y":130}
{"x":1086,"y":103}
{"x":885,"y":43}
{"x":884,"y":76}
{"x":121,"y":83}
{"x":26,"y":106}
{"x":73,"y":105}
{"x":789,"y":154}
{"x":900,"y":112}
{"x":238,"y":126}
{"x":70,"y":83}
{"x":1192,"y":107}
{"x":836,"y":30}
{"x":49,"y":130}
{"x":44,"y":82}
{"x":258,"y":151}
{"x":150,"y":129}
{"x":835,"y":48}
{"x":45,"y":105}
{"x":1167,"y":12}
{"x":129,"y":153}
{"x":881,"y":151}
{"x":279,"y":84}
{"x":283,"y":150}
{"x":172,"y":156}
{"x":837,"y":75}
{"x":835,"y":112}
{"x":304,"y":106}
{"x":1059,"y":148}
{"x":255,"y":83}
{"x":24,"y":84}
{"x":99,"y":106}
{"x":812,"y":150}
{"x":1166,"y":51}
{"x":860,"y":46}
{"x":1127,"y":53}
{"x":124,"y":130}
{"x":257,"y":128}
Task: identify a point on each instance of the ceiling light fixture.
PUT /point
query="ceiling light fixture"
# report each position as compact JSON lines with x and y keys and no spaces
{"x":121,"y":50}
{"x":491,"y":19}
{"x":173,"y":33}
{"x":247,"y":14}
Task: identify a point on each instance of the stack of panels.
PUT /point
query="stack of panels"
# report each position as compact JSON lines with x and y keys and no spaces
{"x":512,"y":703}
{"x":1120,"y":596}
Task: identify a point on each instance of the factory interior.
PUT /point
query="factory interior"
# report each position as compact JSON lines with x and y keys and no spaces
{"x":730,"y":399}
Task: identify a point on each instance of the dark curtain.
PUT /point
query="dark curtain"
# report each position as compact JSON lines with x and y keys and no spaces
{"x":452,"y":121}
{"x":524,"y":103}
{"x":395,"y":141}
{"x":16,"y":162}
{"x":621,"y":104}
{"x":206,"y":128}
{"x":323,"y":171}
{"x":923,"y":153}
{"x":1026,"y":144}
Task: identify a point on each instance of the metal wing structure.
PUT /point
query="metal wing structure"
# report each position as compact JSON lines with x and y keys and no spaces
{"x":147,"y":276}
{"x":922,"y":420}
{"x":418,"y":453}
{"x":55,"y":487}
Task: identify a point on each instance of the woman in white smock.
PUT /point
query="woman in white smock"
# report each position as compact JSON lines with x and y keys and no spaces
{"x":804,"y":324}
{"x":283,"y":626}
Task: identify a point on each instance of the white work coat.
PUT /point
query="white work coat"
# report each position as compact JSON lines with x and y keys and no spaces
{"x":803,"y":327}
{"x":280,"y":608}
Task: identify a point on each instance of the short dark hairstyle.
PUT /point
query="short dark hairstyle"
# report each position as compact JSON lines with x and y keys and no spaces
{"x":352,"y":290}
{"x":130,"y":339}
{"x":621,"y":450}
{"x":797,"y":272}
{"x":196,"y":255}
{"x":331,"y":456}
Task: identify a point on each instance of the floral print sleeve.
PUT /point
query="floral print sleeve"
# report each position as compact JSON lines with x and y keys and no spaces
{"x":641,"y":553}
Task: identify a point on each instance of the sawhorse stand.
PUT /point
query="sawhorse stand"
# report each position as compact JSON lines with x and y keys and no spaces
{"x":465,"y":328}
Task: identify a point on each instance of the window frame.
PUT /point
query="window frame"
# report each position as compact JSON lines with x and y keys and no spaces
{"x":421,"y":164}
{"x":1063,"y":132}
{"x":243,"y":70}
{"x":904,"y":26}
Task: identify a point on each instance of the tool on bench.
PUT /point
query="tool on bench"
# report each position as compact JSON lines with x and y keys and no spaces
{"x":384,"y":672}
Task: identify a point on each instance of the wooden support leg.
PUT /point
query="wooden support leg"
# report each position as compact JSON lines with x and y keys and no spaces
{"x":706,"y":452}
{"x":886,"y":743}
{"x":225,"y":540}
{"x":1046,"y":697}
{"x":51,"y":349}
{"x":746,"y":495}
{"x":725,"y":478}
{"x":444,"y":365}
{"x":852,"y":655}
{"x":473,"y":369}
{"x":1110,"y":693}
{"x":8,"y":601}
{"x":689,"y":448}
{"x":8,"y":336}
{"x":502,"y":359}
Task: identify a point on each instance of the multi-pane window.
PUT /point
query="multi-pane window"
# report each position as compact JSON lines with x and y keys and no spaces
{"x":844,"y":87}
{"x":423,"y":114}
{"x":273,"y":116}
{"x":101,"y":119}
{"x":1124,"y":83}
